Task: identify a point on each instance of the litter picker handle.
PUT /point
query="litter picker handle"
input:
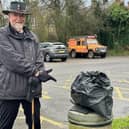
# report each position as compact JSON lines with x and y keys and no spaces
{"x":32,"y":113}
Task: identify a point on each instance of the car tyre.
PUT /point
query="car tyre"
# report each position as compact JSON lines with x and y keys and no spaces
{"x":90,"y":54}
{"x":73,"y":54}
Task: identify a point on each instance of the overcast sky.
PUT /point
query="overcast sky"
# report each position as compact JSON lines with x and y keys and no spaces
{"x":88,"y":2}
{"x":126,"y":2}
{"x":6,"y":3}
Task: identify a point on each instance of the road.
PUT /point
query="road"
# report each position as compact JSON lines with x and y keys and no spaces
{"x":55,"y":102}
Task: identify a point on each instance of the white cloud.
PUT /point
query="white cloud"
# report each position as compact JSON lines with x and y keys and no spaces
{"x":126,"y":2}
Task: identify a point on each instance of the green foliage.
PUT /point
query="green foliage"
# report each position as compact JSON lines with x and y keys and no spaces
{"x":2,"y":21}
{"x":118,"y":24}
{"x":58,"y":20}
{"x":81,"y":20}
{"x":37,"y":22}
{"x":121,"y":123}
{"x":118,"y":14}
{"x":74,"y":18}
{"x":118,"y":52}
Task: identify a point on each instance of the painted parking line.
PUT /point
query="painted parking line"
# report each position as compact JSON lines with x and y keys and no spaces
{"x":63,"y":87}
{"x":119,"y":93}
{"x":118,"y":90}
{"x":42,"y":118}
{"x":121,"y":81}
{"x":46,"y":96}
{"x":55,"y":123}
{"x":122,"y":99}
{"x":68,"y":82}
{"x":59,"y":124}
{"x":124,"y":81}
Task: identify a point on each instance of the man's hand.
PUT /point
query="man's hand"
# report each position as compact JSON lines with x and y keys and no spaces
{"x":33,"y":81}
{"x":44,"y":76}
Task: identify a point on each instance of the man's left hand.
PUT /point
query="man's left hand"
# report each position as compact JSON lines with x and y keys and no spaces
{"x":33,"y":81}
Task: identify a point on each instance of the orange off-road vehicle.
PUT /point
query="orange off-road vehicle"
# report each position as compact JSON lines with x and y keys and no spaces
{"x":86,"y":45}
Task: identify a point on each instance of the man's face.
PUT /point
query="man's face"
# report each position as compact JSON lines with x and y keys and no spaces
{"x":17,"y":21}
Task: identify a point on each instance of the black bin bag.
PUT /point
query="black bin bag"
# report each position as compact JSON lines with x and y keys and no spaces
{"x":93,"y":90}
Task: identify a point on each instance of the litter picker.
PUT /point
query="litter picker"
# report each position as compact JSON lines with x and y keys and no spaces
{"x":32,"y":106}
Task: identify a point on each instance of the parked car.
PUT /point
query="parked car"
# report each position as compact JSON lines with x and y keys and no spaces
{"x":86,"y":45}
{"x":54,"y":50}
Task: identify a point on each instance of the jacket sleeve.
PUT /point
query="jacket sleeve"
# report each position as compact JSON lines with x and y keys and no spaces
{"x":39,"y":55}
{"x":13,"y":60}
{"x":40,"y":60}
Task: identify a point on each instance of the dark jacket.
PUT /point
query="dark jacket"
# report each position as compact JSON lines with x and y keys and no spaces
{"x":19,"y":59}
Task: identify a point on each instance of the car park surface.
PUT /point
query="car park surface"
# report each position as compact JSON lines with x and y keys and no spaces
{"x":55,"y":102}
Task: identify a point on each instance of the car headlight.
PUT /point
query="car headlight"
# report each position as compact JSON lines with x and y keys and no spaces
{"x":104,"y":49}
{"x":97,"y":49}
{"x":52,"y":50}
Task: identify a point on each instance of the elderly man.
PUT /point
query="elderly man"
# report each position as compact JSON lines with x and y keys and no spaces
{"x":21,"y":69}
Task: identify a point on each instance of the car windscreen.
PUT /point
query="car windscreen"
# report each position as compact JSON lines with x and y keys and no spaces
{"x":44,"y":45}
{"x":92,"y":41}
{"x":59,"y":46}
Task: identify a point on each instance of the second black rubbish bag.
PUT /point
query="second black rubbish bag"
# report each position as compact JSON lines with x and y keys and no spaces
{"x":93,"y":90}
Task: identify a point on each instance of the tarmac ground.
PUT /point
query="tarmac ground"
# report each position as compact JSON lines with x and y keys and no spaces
{"x":55,"y":101}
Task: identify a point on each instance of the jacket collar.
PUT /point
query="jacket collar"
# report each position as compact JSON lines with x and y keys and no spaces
{"x":25,"y":35}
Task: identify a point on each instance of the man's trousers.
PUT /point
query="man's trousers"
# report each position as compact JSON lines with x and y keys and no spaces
{"x":9,"y":111}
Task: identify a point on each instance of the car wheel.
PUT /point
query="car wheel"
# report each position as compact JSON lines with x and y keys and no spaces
{"x":64,"y":59}
{"x":73,"y":54}
{"x":47,"y":58}
{"x":90,"y":54}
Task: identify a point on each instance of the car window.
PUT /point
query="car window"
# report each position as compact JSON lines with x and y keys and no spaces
{"x":57,"y":45}
{"x":53,"y":45}
{"x":44,"y":45}
{"x":78,"y":43}
{"x":83,"y":43}
{"x":92,"y":41}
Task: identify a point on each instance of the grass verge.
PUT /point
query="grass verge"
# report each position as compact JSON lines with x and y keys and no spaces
{"x":121,"y":123}
{"x":118,"y":52}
